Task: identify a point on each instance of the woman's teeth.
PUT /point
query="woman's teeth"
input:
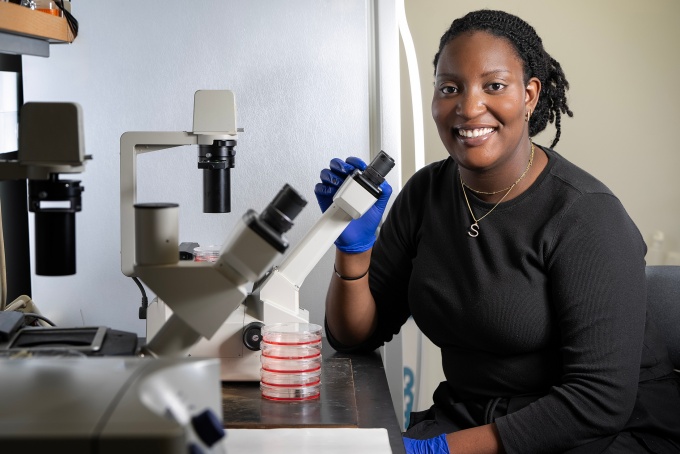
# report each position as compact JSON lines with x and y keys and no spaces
{"x":474,"y":132}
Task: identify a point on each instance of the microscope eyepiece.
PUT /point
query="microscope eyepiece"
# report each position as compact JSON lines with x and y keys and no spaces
{"x":277,"y":217}
{"x":378,"y":169}
{"x":285,"y":207}
{"x":374,"y":174}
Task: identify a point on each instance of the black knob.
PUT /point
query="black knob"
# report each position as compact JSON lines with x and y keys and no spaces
{"x":252,"y":335}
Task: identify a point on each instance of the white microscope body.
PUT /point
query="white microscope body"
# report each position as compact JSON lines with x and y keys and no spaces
{"x":276,"y":298}
{"x":190,"y":316}
{"x":201,"y":295}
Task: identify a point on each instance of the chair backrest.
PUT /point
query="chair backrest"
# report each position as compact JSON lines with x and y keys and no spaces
{"x":663,"y":302}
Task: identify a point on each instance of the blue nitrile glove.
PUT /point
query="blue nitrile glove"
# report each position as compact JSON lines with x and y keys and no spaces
{"x":359,"y":235}
{"x":437,"y":445}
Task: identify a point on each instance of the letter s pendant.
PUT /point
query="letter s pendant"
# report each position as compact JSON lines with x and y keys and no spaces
{"x":474,"y":230}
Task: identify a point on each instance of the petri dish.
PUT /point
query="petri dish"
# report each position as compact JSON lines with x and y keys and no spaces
{"x":277,"y":351}
{"x":206,"y":254}
{"x":277,"y":379}
{"x":291,"y":333}
{"x":290,"y":393}
{"x":290,"y":365}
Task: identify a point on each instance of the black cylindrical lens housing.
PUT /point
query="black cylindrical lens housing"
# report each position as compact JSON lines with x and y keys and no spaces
{"x":216,"y":191}
{"x":55,"y":227}
{"x":378,"y":169}
{"x":277,"y":217}
{"x":55,"y":243}
{"x":281,"y":211}
{"x":216,"y":160}
{"x":374,"y":174}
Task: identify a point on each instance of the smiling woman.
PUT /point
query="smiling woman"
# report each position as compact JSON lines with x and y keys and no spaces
{"x":540,"y":313}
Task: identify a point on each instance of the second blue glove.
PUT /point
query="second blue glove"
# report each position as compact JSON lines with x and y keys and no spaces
{"x":437,"y":445}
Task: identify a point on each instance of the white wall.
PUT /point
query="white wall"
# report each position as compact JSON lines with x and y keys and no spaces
{"x":299,"y":72}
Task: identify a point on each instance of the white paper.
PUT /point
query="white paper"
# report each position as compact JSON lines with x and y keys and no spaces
{"x":307,"y":441}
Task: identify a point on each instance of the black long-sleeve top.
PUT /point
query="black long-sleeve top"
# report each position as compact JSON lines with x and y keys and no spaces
{"x":550,"y":298}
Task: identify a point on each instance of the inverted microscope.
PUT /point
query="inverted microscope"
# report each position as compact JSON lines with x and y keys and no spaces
{"x":234,"y":337}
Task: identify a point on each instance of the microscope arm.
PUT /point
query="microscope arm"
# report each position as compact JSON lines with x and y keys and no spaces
{"x":281,"y":288}
{"x":132,"y":144}
{"x":352,"y":200}
{"x":214,"y":120}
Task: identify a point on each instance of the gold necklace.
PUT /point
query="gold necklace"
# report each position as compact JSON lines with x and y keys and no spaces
{"x":474,"y":227}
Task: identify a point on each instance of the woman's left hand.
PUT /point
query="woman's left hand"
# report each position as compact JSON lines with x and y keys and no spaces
{"x":437,"y":445}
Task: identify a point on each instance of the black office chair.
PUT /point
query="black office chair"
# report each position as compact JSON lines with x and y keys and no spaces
{"x":663,"y":301}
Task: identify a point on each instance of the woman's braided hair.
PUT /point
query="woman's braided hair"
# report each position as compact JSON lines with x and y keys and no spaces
{"x":552,"y":101}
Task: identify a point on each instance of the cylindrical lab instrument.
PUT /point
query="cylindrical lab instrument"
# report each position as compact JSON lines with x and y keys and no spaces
{"x":156,"y":233}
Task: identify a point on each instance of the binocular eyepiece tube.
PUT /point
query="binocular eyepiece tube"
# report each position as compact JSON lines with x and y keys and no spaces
{"x":374,"y":174}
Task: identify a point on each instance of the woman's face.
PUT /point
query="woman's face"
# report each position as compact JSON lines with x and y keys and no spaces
{"x":480,"y":102}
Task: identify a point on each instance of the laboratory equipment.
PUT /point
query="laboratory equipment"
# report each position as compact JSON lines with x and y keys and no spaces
{"x":276,"y":298}
{"x":291,"y":361}
{"x":214,"y":128}
{"x":51,"y":143}
{"x":110,"y":405}
{"x":48,"y":7}
{"x":291,"y":335}
{"x":85,"y":340}
{"x":206,"y":254}
{"x":201,"y":295}
{"x":57,"y":393}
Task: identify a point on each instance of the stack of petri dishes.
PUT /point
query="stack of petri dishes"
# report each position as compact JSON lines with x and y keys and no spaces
{"x":291,"y":361}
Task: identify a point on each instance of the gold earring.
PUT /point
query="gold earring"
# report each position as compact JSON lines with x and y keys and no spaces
{"x":527,"y":115}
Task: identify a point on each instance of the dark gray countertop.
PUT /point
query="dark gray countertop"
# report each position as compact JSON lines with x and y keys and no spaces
{"x":354,"y":393}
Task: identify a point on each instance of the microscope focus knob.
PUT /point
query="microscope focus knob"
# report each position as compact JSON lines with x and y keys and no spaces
{"x":252,"y":335}
{"x":208,"y":427}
